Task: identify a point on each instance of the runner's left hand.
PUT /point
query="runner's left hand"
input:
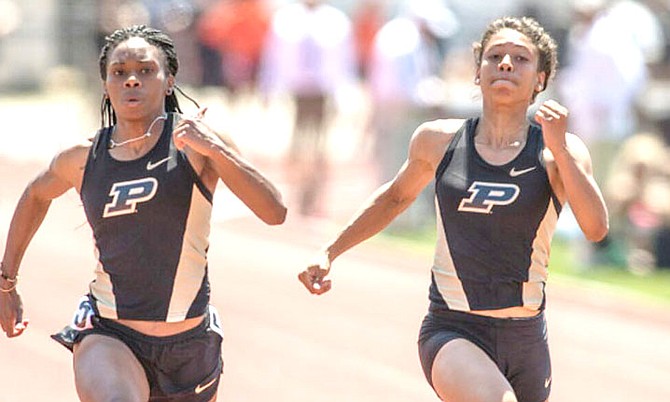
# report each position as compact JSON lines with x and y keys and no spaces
{"x":194,"y":133}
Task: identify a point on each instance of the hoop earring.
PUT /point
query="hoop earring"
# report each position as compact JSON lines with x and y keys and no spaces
{"x":168,"y":92}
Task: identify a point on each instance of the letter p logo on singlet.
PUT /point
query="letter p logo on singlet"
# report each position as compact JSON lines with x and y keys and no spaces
{"x":126,"y":195}
{"x":486,"y":195}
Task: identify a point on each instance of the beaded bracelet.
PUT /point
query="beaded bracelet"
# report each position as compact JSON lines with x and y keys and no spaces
{"x":8,"y":289}
{"x":4,"y":276}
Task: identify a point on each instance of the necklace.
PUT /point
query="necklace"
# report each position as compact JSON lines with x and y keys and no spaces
{"x":517,"y":143}
{"x":114,"y":144}
{"x":511,"y":144}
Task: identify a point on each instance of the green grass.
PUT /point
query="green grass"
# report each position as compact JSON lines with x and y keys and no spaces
{"x":654,"y":285}
{"x":564,"y":266}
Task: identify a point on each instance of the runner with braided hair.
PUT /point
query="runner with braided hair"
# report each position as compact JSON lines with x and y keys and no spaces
{"x":145,"y":331}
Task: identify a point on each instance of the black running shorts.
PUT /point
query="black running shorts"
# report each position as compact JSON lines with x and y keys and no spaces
{"x":518,"y":346}
{"x":185,"y":367}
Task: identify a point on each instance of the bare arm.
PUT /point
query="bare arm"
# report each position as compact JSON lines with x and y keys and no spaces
{"x":574,"y":179}
{"x":383,"y":206}
{"x":223,"y":160}
{"x":29,"y":214}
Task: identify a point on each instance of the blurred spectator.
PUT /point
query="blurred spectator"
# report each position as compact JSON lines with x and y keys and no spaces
{"x":236,"y":29}
{"x":310,"y":57}
{"x":368,"y":18}
{"x":638,"y":192}
{"x":10,"y":17}
{"x":609,"y":48}
{"x":608,"y":51}
{"x":661,"y":9}
{"x":406,"y":86}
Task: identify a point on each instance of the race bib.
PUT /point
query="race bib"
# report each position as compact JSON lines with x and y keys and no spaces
{"x":82,"y":318}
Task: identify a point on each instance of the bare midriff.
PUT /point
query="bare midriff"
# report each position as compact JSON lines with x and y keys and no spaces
{"x":509,"y":312}
{"x":158,"y":328}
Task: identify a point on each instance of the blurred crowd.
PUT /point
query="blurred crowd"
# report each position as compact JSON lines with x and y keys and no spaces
{"x":411,"y":61}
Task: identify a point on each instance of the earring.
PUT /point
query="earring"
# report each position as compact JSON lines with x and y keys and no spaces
{"x":168,"y":92}
{"x":476,"y":80}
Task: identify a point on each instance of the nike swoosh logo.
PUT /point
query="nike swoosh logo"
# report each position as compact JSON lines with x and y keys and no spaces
{"x":547,"y":382}
{"x":515,"y":173}
{"x":154,"y":165}
{"x":200,"y":388}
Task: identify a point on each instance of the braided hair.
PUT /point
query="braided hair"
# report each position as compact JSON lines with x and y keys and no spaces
{"x":153,"y":37}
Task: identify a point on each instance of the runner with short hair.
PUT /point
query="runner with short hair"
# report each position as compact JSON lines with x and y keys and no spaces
{"x":500,"y":183}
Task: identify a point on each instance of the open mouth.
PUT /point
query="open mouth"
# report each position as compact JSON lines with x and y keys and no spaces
{"x":132,"y":100}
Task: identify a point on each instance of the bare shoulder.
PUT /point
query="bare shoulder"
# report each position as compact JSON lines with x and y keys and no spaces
{"x":76,"y":154}
{"x":441,"y":126}
{"x":68,"y":165}
{"x":431,"y":139}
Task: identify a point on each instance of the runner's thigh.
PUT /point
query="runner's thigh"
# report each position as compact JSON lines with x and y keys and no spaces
{"x":106,"y":369}
{"x":462,"y":372}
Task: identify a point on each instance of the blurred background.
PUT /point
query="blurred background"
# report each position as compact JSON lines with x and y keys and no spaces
{"x":323,"y":96}
{"x":346,"y":84}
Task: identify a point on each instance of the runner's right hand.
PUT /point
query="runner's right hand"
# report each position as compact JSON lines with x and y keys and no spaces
{"x":11,"y":314}
{"x":314,"y":276}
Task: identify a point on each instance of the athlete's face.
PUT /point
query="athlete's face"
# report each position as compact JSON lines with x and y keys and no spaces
{"x":508,"y":70}
{"x":137,"y":80}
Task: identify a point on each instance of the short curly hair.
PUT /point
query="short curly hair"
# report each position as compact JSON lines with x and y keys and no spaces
{"x":546,"y":45}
